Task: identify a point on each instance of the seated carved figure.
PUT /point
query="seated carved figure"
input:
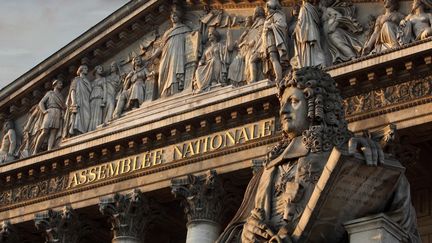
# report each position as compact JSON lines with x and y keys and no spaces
{"x":313,"y":123}
{"x":9,"y":143}
{"x":386,"y":29}
{"x":418,"y":24}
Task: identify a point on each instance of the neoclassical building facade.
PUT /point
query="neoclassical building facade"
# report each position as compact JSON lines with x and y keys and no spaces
{"x":149,"y":126}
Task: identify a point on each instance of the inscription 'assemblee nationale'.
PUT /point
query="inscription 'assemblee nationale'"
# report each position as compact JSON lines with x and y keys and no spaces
{"x":172,"y":153}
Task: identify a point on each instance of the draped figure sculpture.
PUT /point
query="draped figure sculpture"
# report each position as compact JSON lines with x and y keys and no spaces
{"x":313,"y":123}
{"x":9,"y":143}
{"x":307,"y":39}
{"x":246,"y":66}
{"x":173,"y":57}
{"x":133,"y":91}
{"x":212,"y":68}
{"x":98,"y":97}
{"x":386,"y":30}
{"x":339,"y":33}
{"x":418,"y":24}
{"x":77,"y":117}
{"x":274,"y":38}
{"x":52,"y":107}
{"x":113,"y":84}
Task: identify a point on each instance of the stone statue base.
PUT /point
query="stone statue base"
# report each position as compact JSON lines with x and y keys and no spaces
{"x":377,"y":228}
{"x":347,"y":189}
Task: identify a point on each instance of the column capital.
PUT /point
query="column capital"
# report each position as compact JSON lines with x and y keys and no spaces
{"x":8,"y":233}
{"x":202,"y":196}
{"x":60,"y":226}
{"x":130,"y":214}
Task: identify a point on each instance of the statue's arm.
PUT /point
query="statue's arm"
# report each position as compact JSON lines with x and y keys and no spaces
{"x":42,"y":104}
{"x":13,"y":141}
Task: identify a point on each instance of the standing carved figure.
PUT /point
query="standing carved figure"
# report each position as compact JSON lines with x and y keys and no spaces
{"x":9,"y":143}
{"x":307,"y":41}
{"x":247,"y":65}
{"x":338,"y":30}
{"x":31,"y":131}
{"x":173,"y":58}
{"x":52,"y":107}
{"x":237,"y":70}
{"x":133,"y":90}
{"x":418,"y":24}
{"x":275,"y":38}
{"x":77,"y":117}
{"x":113,"y":83}
{"x":98,"y":97}
{"x":313,"y":123}
{"x":386,"y":29}
{"x":212,"y":68}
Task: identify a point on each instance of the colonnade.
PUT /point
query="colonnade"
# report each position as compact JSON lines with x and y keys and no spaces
{"x":130,"y":214}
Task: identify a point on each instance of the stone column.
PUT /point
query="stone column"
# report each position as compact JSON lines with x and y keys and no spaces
{"x":202,"y":198}
{"x":61,"y":226}
{"x":8,"y":233}
{"x":377,"y":228}
{"x":130,"y":216}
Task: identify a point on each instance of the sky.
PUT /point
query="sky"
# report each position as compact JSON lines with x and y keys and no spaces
{"x":32,"y":30}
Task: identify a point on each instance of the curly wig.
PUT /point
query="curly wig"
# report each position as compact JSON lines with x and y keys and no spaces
{"x":328,"y":127}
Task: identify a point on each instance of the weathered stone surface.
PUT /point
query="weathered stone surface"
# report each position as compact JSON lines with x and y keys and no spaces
{"x":377,"y":228}
{"x":347,"y":189}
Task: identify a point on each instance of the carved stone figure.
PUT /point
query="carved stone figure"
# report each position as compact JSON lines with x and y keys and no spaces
{"x":173,"y":56}
{"x":9,"y":143}
{"x":77,"y":117}
{"x":31,"y":132}
{"x":418,"y":24}
{"x":339,"y":32}
{"x":134,"y":89}
{"x":275,"y":38}
{"x":98,"y":97}
{"x":52,"y":107}
{"x":113,"y":83}
{"x":212,"y":68}
{"x":246,"y":66}
{"x":385,"y":31}
{"x":313,"y":123}
{"x":307,"y":41}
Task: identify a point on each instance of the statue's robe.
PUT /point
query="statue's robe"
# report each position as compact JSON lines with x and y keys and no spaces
{"x":173,"y":58}
{"x":275,"y":39}
{"x":300,"y":171}
{"x":76,"y":123}
{"x":307,"y":47}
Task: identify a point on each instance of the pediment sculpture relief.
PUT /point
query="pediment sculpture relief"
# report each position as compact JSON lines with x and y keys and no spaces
{"x":201,"y":50}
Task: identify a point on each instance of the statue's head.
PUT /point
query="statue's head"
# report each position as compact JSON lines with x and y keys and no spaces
{"x":259,"y":12}
{"x":392,"y":5}
{"x":273,"y":5}
{"x":213,"y":35}
{"x":248,"y":21}
{"x":311,"y":107}
{"x":114,"y":68}
{"x":57,"y":84}
{"x":83,"y":69}
{"x":176,"y":15}
{"x":8,"y":125}
{"x":137,"y":61}
{"x":421,"y":3}
{"x":99,"y":69}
